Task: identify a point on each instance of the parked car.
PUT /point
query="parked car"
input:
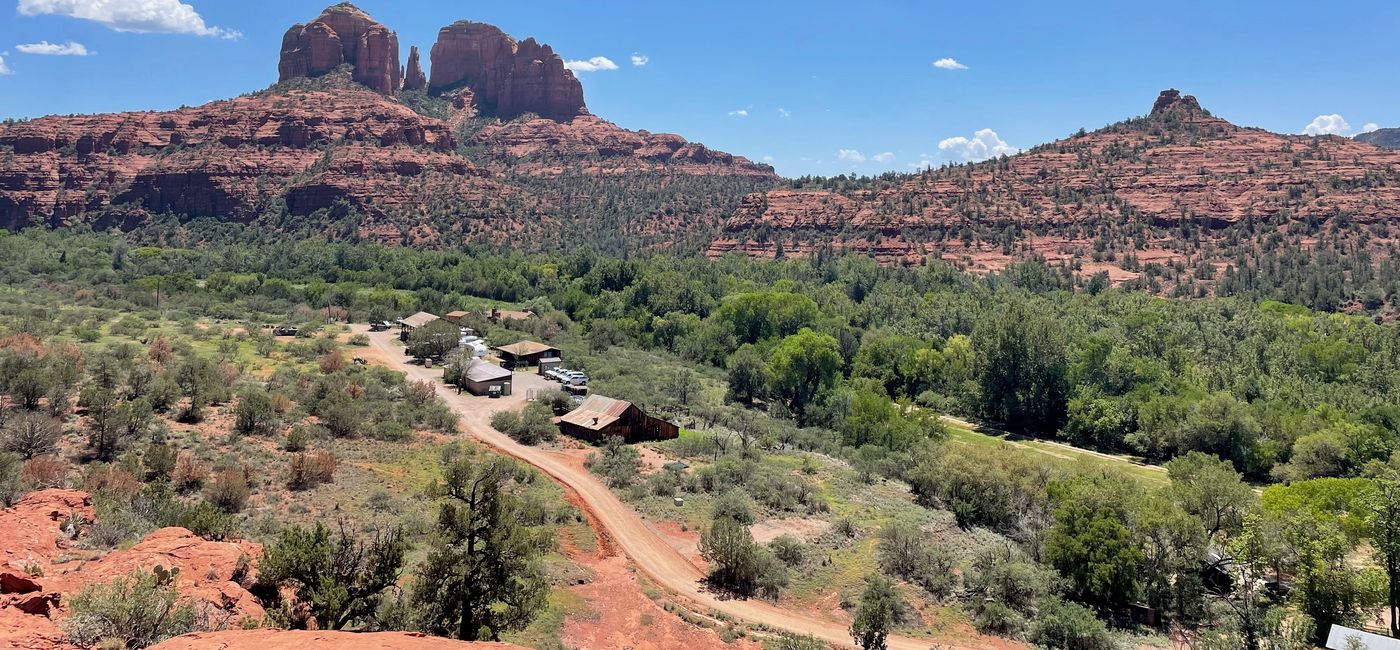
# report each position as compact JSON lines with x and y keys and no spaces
{"x":554,"y":373}
{"x":378,"y":326}
{"x":574,"y":378}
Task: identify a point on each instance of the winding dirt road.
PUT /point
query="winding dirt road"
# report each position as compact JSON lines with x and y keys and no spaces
{"x":621,"y":525}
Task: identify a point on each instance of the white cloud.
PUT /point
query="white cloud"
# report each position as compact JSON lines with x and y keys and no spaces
{"x":640,"y":59}
{"x":783,"y":112}
{"x":850,"y":155}
{"x":743,"y":112}
{"x":982,"y":145}
{"x":71,"y":48}
{"x":139,"y":16}
{"x":592,"y":65}
{"x":1333,"y":124}
{"x":948,"y":63}
{"x":1369,"y":127}
{"x":4,"y":69}
{"x":769,"y":159}
{"x":883,"y":157}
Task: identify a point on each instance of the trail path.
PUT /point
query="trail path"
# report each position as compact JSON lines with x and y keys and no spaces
{"x":623,"y":528}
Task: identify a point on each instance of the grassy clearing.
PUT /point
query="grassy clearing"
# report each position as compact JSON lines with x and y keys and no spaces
{"x":1059,"y":454}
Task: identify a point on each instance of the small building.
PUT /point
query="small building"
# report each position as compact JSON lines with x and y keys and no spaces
{"x":1339,"y":636}
{"x":498,"y":315}
{"x":409,"y":323}
{"x":550,"y":363}
{"x":456,"y":317}
{"x":481,"y":377}
{"x":527,"y":353}
{"x":599,"y":418}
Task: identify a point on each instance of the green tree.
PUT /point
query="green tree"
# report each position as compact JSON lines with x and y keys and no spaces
{"x":804,"y":366}
{"x":1092,"y":546}
{"x":748,"y":375}
{"x":434,"y":340}
{"x":1210,"y":489}
{"x":340,"y":577}
{"x":134,"y":611}
{"x":879,"y":606}
{"x":1384,"y":520}
{"x":254,"y":414}
{"x":730,"y":550}
{"x":484,"y":573}
{"x":1021,"y":368}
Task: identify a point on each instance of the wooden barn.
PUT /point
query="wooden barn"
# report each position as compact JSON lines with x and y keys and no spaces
{"x":410,"y":323}
{"x":526,"y":353}
{"x":599,"y":418}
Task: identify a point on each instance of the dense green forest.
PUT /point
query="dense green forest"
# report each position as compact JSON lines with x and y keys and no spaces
{"x":841,"y":356}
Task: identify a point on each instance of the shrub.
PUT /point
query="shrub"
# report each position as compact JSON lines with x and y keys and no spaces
{"x":735,"y":505}
{"x":358,"y":340}
{"x":49,"y":471}
{"x":189,"y":473}
{"x":1060,"y":624}
{"x":789,"y":549}
{"x":254,"y":414}
{"x":30,"y":434}
{"x":10,"y":490}
{"x":531,"y":426}
{"x":420,"y":393}
{"x":134,"y":611}
{"x":617,"y":463}
{"x":296,"y":439}
{"x":904,"y":551}
{"x":159,"y":461}
{"x":309,"y":469}
{"x":996,"y":618}
{"x":228,"y":491}
{"x":111,"y":481}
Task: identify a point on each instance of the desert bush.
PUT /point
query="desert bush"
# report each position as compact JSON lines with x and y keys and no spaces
{"x":30,"y":434}
{"x":309,"y":469}
{"x":331,"y":362}
{"x":992,"y":617}
{"x":133,"y":611}
{"x":904,"y":551}
{"x":618,"y":464}
{"x":789,"y":549}
{"x":228,"y":491}
{"x":10,"y":487}
{"x":49,"y":471}
{"x":254,"y":414}
{"x":111,"y":481}
{"x":533,"y":425}
{"x":420,"y":393}
{"x":159,"y":461}
{"x":735,"y":505}
{"x":358,"y":340}
{"x":1060,"y":624}
{"x":189,"y":473}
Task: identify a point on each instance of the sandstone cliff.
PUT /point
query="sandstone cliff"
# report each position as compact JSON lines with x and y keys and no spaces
{"x":507,"y":79}
{"x":343,"y":34}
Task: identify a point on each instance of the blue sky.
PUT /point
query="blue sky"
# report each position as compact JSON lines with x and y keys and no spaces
{"x":814,"y":87}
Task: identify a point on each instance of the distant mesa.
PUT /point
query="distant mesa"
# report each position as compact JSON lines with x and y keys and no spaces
{"x":343,"y":34}
{"x":1172,"y":98}
{"x":505,"y":78}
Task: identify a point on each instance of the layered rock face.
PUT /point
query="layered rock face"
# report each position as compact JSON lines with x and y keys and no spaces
{"x":507,"y":79}
{"x":1178,"y":165}
{"x":228,"y":159}
{"x":343,"y":34}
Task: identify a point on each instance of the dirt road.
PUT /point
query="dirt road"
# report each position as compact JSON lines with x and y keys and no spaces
{"x":622,"y":526}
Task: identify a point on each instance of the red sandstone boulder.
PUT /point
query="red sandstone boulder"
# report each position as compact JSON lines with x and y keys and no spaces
{"x":507,"y":79}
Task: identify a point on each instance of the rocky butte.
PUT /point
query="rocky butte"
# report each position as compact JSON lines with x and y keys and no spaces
{"x":506,"y":78}
{"x":343,"y":34}
{"x":331,"y":151}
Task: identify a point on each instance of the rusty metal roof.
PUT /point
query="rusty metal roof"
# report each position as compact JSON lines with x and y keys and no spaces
{"x":525,"y":348}
{"x":419,"y":319}
{"x":596,"y":412}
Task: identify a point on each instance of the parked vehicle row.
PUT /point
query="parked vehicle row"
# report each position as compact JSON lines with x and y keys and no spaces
{"x":567,"y":377}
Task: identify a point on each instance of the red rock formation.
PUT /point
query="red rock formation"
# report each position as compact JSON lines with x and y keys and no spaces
{"x":343,"y":34}
{"x":507,"y":79}
{"x":1178,"y":162}
{"x":270,"y":639}
{"x":413,"y":78}
{"x":35,"y":536}
{"x":226,"y":159}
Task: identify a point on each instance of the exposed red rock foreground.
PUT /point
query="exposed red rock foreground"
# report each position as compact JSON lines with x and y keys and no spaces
{"x":299,"y":639}
{"x":40,"y":566}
